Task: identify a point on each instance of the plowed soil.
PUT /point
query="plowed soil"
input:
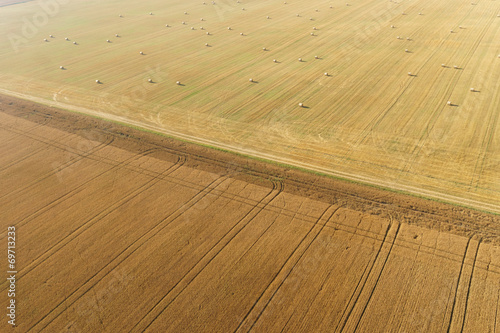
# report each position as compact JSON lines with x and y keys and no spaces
{"x":122,"y":230}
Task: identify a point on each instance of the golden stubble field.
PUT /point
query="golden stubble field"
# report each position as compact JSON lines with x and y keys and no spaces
{"x":118,"y":231}
{"x":367,"y":120}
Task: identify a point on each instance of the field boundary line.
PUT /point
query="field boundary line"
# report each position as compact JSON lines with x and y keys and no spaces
{"x":492,"y":208}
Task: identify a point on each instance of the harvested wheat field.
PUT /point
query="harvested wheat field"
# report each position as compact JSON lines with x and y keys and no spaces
{"x":402,"y":94}
{"x":120,"y":230}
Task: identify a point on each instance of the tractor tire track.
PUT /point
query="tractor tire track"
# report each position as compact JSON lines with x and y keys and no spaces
{"x":169,"y":298}
{"x":124,"y":254}
{"x":356,"y":294}
{"x":451,"y":86}
{"x":285,"y":270}
{"x":457,"y":285}
{"x":92,"y":221}
{"x":464,"y":316}
{"x":370,"y":297}
{"x":462,"y":290}
{"x":79,"y":156}
{"x":74,"y":191}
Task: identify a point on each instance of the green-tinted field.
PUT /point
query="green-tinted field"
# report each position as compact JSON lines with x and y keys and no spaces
{"x":368,"y":120}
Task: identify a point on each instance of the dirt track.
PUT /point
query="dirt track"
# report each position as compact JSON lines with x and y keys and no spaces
{"x":121,"y":230}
